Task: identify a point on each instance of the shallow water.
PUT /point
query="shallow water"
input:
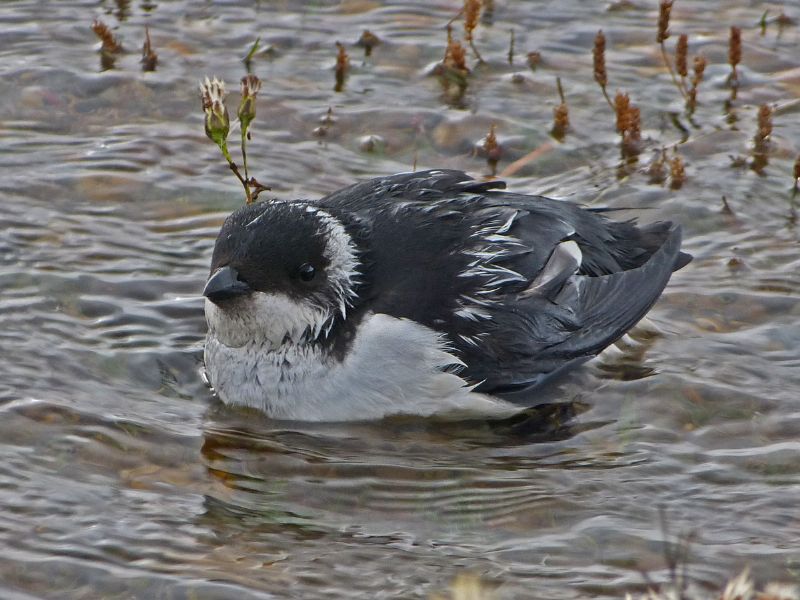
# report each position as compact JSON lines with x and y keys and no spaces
{"x":119,"y":475}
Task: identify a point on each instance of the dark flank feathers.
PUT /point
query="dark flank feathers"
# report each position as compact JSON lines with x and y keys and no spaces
{"x":420,"y":232}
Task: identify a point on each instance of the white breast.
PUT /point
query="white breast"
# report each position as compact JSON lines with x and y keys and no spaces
{"x":394,"y":366}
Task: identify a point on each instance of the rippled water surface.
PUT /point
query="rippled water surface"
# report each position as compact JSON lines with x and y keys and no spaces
{"x":121,"y":478}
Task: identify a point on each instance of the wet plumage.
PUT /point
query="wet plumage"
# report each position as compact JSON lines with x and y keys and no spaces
{"x":420,"y":293}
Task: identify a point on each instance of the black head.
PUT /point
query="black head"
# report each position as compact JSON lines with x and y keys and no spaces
{"x":290,"y":248}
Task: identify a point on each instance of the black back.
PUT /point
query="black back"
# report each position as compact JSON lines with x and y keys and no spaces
{"x":419,"y":237}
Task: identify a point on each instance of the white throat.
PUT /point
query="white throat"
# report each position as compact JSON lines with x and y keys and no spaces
{"x":268,"y":320}
{"x":393,"y":366}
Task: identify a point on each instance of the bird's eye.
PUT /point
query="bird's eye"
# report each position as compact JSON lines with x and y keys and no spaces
{"x":306,"y":272}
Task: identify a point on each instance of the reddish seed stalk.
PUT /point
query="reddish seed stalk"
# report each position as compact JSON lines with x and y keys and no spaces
{"x":453,"y":70}
{"x":599,"y":61}
{"x":761,"y":139}
{"x":492,"y":149}
{"x":764,"y":122}
{"x":342,"y":66}
{"x":560,"y":114}
{"x":621,"y":106}
{"x":677,"y":172}
{"x":699,"y":67}
{"x":342,"y":59}
{"x":656,"y":171}
{"x":681,"y":59}
{"x":630,"y":142}
{"x":110,"y":45}
{"x":560,"y":121}
{"x":628,"y":124}
{"x":635,"y":124}
{"x":472,"y":13}
{"x":599,"y":56}
{"x":735,"y":51}
{"x":455,"y":56}
{"x":668,"y":64}
{"x":681,"y":52}
{"x":149,"y":57}
{"x":664,"y":10}
{"x":490,"y":145}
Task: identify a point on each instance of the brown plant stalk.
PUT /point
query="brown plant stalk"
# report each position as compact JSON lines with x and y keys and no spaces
{"x":599,"y":61}
{"x":628,"y":124}
{"x":110,"y":45}
{"x":681,"y":58}
{"x":492,"y":149}
{"x":454,"y":70}
{"x":342,"y":66}
{"x":656,"y":171}
{"x":735,"y":53}
{"x":560,"y":114}
{"x":698,"y":67}
{"x":664,"y":10}
{"x":677,"y":172}
{"x":472,"y":13}
{"x":761,"y":139}
{"x":764,"y":122}
{"x":149,"y":56}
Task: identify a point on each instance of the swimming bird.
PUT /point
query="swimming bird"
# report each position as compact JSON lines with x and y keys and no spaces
{"x":420,"y":293}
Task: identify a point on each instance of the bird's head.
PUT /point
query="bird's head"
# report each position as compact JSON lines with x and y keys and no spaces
{"x":281,"y":272}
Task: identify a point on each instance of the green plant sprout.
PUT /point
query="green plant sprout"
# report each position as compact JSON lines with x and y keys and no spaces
{"x":248,"y":60}
{"x":218,"y":125}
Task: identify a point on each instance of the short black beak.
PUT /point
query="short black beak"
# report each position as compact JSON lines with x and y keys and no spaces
{"x":224,"y":284}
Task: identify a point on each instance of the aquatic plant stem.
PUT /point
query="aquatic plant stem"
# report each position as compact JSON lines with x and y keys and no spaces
{"x":608,"y":99}
{"x":224,"y":148}
{"x":668,"y":63}
{"x":248,"y":60}
{"x":244,"y":153}
{"x":235,"y":169}
{"x":599,"y":64}
{"x":475,"y":50}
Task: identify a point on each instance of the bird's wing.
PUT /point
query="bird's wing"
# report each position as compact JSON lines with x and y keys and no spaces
{"x":523,"y":286}
{"x":588,"y":280}
{"x":564,"y":316}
